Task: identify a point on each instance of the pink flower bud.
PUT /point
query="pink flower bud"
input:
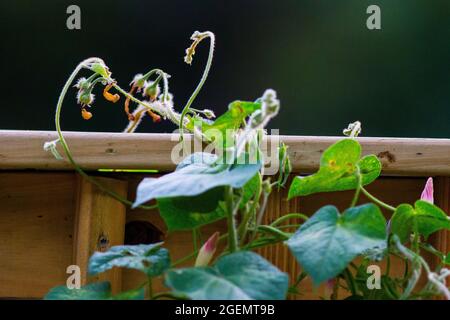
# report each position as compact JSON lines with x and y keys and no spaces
{"x":207,"y":251}
{"x":427,"y":193}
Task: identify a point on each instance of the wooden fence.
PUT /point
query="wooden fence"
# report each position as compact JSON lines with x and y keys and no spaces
{"x":51,"y":218}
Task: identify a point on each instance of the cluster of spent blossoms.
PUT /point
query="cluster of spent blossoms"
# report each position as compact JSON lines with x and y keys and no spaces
{"x":156,"y":100}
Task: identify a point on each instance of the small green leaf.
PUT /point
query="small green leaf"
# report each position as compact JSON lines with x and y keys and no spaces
{"x":233,"y":118}
{"x":243,"y":275}
{"x":424,"y":217}
{"x":328,"y":241}
{"x":338,"y":170}
{"x":194,"y":176}
{"x":93,"y":291}
{"x":148,"y":258}
{"x":177,"y":218}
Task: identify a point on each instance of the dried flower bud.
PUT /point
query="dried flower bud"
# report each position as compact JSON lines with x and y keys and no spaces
{"x":428,"y":191}
{"x":353,"y":129}
{"x":86,"y":114}
{"x":196,"y":37}
{"x":207,"y":251}
{"x":270,"y":103}
{"x":209,"y":113}
{"x":151,"y":89}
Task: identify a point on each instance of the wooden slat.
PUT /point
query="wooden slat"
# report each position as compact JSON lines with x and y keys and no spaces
{"x":36,"y":232}
{"x":23,"y":150}
{"x":99,"y":225}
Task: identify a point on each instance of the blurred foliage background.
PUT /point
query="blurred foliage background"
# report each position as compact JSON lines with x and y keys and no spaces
{"x":327,"y":67}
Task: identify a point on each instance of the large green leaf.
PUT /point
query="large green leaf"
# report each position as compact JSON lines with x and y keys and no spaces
{"x":187,"y":213}
{"x":338,"y":170}
{"x":148,"y":258}
{"x":93,"y":291}
{"x":194,"y":176}
{"x":328,"y":241}
{"x":239,"y":276}
{"x":424,"y":217}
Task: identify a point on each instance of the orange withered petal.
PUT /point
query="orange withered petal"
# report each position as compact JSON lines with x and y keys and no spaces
{"x":109,"y":96}
{"x":155,"y":117}
{"x":86,"y":114}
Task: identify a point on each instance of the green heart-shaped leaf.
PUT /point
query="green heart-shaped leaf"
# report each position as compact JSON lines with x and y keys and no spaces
{"x":194,"y":176}
{"x":338,"y":170}
{"x":148,"y":258}
{"x":328,"y":241}
{"x":93,"y":291}
{"x":242,"y":275}
{"x":424,"y":217}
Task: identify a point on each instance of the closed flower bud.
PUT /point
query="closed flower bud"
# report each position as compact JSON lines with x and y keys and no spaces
{"x":151,"y":90}
{"x":138,"y":81}
{"x":207,"y":251}
{"x":428,"y":191}
{"x":82,"y":84}
{"x":85,"y":98}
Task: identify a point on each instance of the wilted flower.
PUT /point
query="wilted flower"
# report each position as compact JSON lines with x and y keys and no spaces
{"x":109,"y":96}
{"x":86,"y":114}
{"x":207,"y":251}
{"x":427,"y":193}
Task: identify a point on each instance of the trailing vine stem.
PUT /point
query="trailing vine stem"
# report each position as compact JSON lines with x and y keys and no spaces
{"x":376,"y":200}
{"x":231,"y":218}
{"x":358,"y":187}
{"x":65,"y":146}
{"x":197,"y":37}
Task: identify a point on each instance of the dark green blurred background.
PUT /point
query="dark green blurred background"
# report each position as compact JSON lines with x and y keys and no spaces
{"x":327,"y":67}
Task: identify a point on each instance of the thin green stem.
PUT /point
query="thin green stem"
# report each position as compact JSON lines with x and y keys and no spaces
{"x":65,"y":146}
{"x":150,"y":287}
{"x":232,"y":233}
{"x":289,"y":216}
{"x":376,"y":200}
{"x":274,"y":231}
{"x":358,"y":188}
{"x":211,"y":36}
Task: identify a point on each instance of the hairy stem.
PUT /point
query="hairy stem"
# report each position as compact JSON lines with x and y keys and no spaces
{"x":211,"y":36}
